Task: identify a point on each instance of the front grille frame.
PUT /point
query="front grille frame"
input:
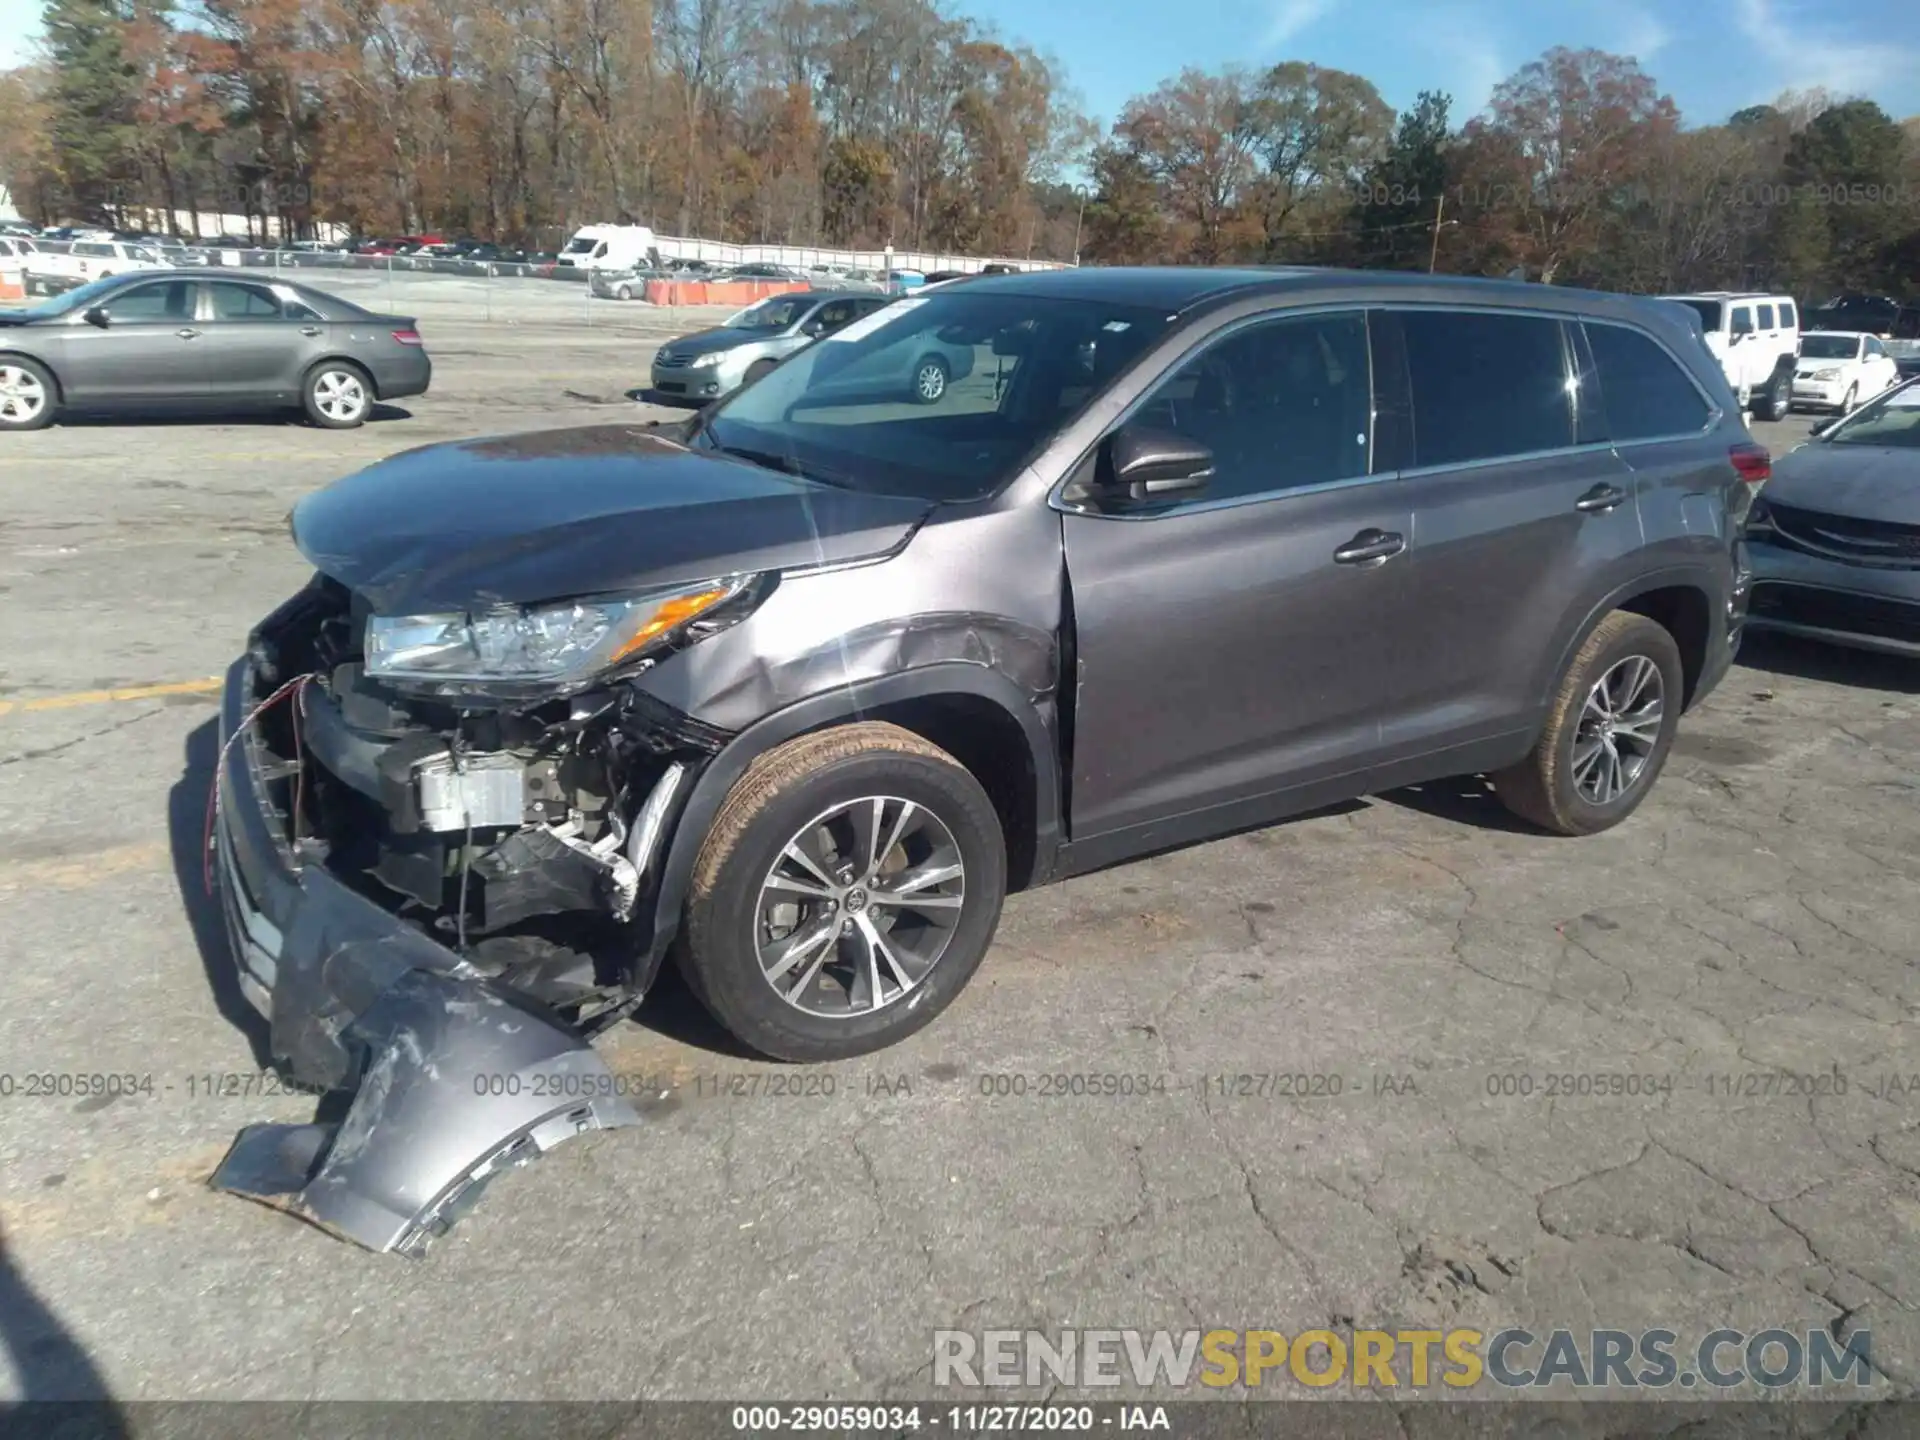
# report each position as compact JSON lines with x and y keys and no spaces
{"x":1879,"y":544}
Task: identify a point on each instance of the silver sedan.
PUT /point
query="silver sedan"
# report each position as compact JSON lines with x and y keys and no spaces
{"x":711,"y":364}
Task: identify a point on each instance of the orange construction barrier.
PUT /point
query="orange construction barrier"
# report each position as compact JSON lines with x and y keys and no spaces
{"x":13,"y":284}
{"x":717,"y":292}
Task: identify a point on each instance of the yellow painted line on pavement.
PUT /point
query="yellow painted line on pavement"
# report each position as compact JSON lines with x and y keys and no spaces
{"x":209,"y":686}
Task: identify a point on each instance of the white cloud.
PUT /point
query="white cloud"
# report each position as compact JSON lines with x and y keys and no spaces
{"x":1290,"y":17}
{"x":1642,"y":35}
{"x":1467,"y":48}
{"x":1804,"y":58}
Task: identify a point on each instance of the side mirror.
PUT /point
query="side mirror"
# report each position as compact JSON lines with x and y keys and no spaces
{"x":1144,"y":465}
{"x":1821,"y":427}
{"x":97,"y":315}
{"x":814,"y":329}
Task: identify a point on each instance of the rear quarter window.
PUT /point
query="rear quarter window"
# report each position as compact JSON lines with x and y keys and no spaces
{"x":1645,"y":392}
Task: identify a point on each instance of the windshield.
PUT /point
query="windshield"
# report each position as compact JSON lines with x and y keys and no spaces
{"x":69,"y":301}
{"x":580,"y":245}
{"x":940,"y":397}
{"x":1891,"y":420}
{"x":775,"y":314}
{"x":1829,"y":347}
{"x":1707,"y":310}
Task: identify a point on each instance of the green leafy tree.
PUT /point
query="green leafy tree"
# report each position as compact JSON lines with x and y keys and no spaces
{"x":1398,"y":200}
{"x":91,"y":104}
{"x":1850,"y":207}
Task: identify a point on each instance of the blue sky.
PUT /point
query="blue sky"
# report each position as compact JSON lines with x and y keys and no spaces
{"x":1713,"y":56}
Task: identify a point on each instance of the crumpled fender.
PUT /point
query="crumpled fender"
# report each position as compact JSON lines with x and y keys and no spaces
{"x":461,"y":1081}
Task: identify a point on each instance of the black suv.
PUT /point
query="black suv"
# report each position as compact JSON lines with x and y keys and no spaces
{"x":798,"y":690}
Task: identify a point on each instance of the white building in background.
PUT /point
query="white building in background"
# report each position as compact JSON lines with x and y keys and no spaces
{"x":7,"y":212}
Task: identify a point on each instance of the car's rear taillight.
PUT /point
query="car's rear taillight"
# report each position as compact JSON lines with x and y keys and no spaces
{"x":412,"y":337}
{"x":1754,"y":462}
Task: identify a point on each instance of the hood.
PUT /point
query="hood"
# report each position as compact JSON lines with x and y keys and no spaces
{"x":520,"y":519}
{"x":721,"y":337}
{"x":1864,"y":482}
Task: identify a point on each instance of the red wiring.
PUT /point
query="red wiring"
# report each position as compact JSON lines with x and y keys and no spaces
{"x":220,"y":766}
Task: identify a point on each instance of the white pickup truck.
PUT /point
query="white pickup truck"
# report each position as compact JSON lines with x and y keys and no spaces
{"x":85,"y":260}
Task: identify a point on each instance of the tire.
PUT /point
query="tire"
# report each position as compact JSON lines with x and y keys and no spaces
{"x":930,"y":378}
{"x":623,"y":292}
{"x":736,"y":917}
{"x":329,"y":392}
{"x":1552,"y":787}
{"x":759,"y":369}
{"x":28,"y":395}
{"x":1851,"y":398}
{"x":1779,"y":399}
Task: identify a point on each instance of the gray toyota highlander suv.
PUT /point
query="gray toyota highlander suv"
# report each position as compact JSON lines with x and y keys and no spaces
{"x":797,"y":690}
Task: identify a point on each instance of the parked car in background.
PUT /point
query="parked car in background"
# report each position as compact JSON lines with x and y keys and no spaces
{"x":85,"y":260}
{"x":799,"y":692}
{"x":185,"y":340}
{"x":1756,"y":340}
{"x":1838,"y":370}
{"x":624,"y":284}
{"x":1835,"y":539}
{"x":709,"y":364}
{"x":16,"y":248}
{"x":901,"y":281}
{"x":757,"y":270}
{"x":1868,"y":314}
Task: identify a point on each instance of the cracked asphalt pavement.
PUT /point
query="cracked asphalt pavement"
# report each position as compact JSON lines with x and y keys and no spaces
{"x":1667,"y":1076}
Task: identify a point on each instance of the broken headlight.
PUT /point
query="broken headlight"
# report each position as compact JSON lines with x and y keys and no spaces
{"x":569,"y":640}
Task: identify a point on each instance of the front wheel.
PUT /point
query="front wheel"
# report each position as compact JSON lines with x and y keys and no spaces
{"x":26,"y":394}
{"x":846,"y":893}
{"x":1852,"y":398}
{"x":759,"y":369}
{"x":929,"y":380}
{"x":1608,"y":734}
{"x":337,"y":396}
{"x":623,"y":292}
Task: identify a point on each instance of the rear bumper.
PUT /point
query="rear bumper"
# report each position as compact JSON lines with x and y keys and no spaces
{"x":453,"y":1077}
{"x":395,"y":377}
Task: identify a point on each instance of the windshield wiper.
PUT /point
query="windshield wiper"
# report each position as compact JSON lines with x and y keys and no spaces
{"x":774,"y":460}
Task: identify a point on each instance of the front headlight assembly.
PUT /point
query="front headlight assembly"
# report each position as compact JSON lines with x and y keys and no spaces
{"x":558,"y":644}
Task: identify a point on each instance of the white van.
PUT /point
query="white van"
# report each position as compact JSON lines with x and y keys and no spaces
{"x":609,"y":247}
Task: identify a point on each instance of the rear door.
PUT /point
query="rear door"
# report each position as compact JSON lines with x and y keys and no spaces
{"x":146,"y":355}
{"x":1518,"y":503}
{"x":1749,"y":363}
{"x":256,"y":345}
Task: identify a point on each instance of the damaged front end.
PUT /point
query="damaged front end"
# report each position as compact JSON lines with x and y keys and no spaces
{"x":437,"y":894}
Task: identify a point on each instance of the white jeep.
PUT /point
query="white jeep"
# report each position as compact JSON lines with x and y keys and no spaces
{"x":1756,"y":339}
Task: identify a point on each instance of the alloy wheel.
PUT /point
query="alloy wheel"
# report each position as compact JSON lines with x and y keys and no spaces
{"x":931,"y":383}
{"x":339,"y":394}
{"x":22,"y":396}
{"x":1618,"y":730}
{"x":859,"y":907}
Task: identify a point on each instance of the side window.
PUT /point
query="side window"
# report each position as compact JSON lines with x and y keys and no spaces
{"x":1485,"y":385}
{"x":294,"y":310}
{"x":91,"y":248}
{"x":1645,"y":392}
{"x":1743,"y":321}
{"x":1766,"y":317}
{"x":162,"y":301}
{"x":1788,"y":320}
{"x":832,"y":317}
{"x":242,"y":302}
{"x":1875,"y":350}
{"x":1282,"y":404}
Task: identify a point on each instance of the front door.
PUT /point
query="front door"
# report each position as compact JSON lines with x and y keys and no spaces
{"x":256,"y":346}
{"x":146,"y":355}
{"x":1242,"y":641}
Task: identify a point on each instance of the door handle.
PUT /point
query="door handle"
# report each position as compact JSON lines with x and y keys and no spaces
{"x":309,"y":329}
{"x":1600,"y":499}
{"x":1370,"y":548}
{"x":189,"y":333}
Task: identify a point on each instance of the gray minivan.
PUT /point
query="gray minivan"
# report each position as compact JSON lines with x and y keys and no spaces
{"x":800,"y":688}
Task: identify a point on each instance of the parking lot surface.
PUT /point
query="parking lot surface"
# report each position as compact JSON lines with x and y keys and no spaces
{"x":1667,"y":1076}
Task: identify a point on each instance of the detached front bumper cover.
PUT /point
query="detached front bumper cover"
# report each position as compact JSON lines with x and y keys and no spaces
{"x":453,"y":1078}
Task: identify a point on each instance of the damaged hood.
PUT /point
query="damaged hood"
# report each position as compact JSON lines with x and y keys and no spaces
{"x":1865,"y":482}
{"x":519,"y":519}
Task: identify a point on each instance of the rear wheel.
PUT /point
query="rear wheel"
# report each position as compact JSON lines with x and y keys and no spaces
{"x":623,"y":292}
{"x":337,"y":395}
{"x":929,"y":380}
{"x":1608,"y":734}
{"x":846,"y":893}
{"x":1779,"y":397}
{"x":26,"y":394}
